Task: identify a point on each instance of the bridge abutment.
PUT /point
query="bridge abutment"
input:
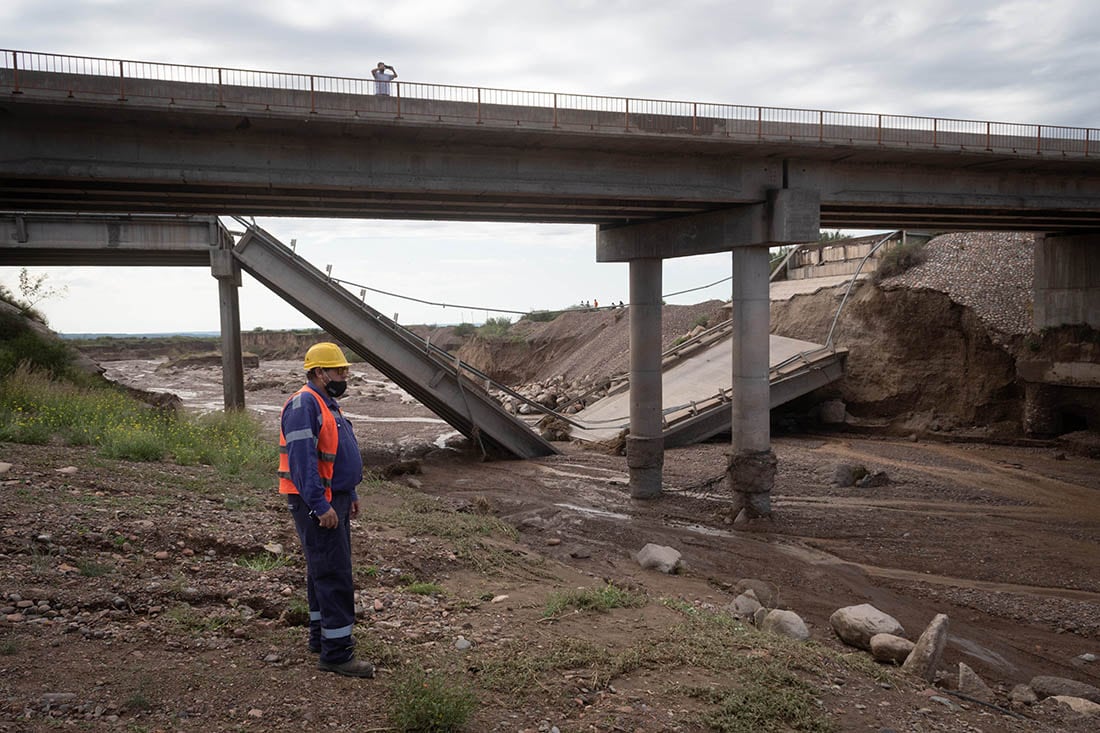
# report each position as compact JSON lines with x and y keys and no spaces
{"x":1067,"y":280}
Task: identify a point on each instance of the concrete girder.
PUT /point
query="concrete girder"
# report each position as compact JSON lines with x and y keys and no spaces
{"x":787,"y":216}
{"x":90,"y":239}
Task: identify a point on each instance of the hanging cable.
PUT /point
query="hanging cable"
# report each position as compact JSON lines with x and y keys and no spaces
{"x":701,"y":287}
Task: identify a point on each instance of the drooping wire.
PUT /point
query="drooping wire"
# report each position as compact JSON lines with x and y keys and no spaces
{"x":499,"y":310}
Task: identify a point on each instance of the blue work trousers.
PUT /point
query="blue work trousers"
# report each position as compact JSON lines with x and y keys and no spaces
{"x":329,"y":585}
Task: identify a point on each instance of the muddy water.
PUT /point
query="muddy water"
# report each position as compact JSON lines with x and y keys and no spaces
{"x":382,"y":412}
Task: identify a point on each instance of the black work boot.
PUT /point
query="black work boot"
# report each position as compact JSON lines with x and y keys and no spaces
{"x":351,"y":668}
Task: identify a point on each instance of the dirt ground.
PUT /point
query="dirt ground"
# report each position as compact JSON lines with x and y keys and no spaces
{"x":128,"y":606}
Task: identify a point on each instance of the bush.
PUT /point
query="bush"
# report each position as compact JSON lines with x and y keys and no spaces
{"x":495,"y":328}
{"x":425,"y":702}
{"x":465,"y":329}
{"x":542,"y":316}
{"x":19,"y":343}
{"x":899,"y":259}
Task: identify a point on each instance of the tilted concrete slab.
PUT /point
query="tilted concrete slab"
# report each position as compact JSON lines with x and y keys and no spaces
{"x":406,"y":359}
{"x":696,"y":390}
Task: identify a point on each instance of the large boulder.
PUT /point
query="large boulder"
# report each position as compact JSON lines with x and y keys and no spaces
{"x":855,"y":625}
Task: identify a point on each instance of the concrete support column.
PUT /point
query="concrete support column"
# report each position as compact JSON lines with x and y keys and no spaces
{"x":752,"y":463}
{"x":228,"y":274}
{"x":645,"y":444}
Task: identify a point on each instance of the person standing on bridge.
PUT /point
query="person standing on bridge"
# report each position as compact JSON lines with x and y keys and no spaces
{"x":319,"y":468}
{"x":382,"y":78}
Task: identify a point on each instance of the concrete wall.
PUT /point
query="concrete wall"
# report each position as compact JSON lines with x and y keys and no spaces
{"x":1067,"y":281}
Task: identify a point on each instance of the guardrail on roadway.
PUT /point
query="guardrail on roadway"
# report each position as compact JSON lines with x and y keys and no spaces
{"x":320,"y":94}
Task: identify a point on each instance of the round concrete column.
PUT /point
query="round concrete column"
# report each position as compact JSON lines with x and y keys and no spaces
{"x":752,"y":463}
{"x":645,"y":444}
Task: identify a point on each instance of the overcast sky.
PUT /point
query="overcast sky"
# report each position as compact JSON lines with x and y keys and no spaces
{"x":1030,"y":61}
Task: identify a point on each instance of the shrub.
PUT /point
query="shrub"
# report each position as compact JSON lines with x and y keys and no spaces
{"x":465,"y":329}
{"x":495,"y":328}
{"x":21,"y":344}
{"x":899,"y":259}
{"x":426,"y":702}
{"x":542,"y":316}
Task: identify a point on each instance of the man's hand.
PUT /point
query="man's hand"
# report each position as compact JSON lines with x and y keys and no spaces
{"x":354,"y":509}
{"x":329,"y":520}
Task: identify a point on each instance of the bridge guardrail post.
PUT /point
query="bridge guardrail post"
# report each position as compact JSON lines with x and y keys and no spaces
{"x":880,"y":129}
{"x":1039,"y":139}
{"x":694,"y":118}
{"x":312,"y":98}
{"x":479,"y":105}
{"x":121,"y":81}
{"x":759,"y":123}
{"x":627,"y":112}
{"x":555,"y":110}
{"x":15,"y":72}
{"x":935,"y":132}
{"x":221,"y":93}
{"x":397,"y":86}
{"x":988,"y":142}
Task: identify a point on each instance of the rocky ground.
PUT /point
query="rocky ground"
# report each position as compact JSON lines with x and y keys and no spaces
{"x":160,"y":597}
{"x":144,"y":597}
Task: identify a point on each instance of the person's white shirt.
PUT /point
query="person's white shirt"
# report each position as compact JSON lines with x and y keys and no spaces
{"x":382,"y":78}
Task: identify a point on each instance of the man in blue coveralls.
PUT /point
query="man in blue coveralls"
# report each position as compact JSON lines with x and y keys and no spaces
{"x":319,"y":468}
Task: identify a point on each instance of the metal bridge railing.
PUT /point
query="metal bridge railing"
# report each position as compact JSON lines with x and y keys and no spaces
{"x":22,"y":71}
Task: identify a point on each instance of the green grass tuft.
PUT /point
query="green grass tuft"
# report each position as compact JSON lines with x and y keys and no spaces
{"x":429,"y":703}
{"x":592,"y":599}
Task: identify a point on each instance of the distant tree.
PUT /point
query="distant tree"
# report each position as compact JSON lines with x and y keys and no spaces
{"x":831,"y":236}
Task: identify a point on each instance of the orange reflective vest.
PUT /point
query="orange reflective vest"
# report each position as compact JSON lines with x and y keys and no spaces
{"x":327,"y":441}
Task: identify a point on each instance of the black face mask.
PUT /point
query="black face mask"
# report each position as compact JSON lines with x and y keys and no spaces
{"x":336,"y":388}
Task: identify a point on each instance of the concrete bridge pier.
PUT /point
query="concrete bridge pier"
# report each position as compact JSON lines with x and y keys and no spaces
{"x":752,"y":464}
{"x":645,"y":445}
{"x":225,"y":269}
{"x":786,"y":216}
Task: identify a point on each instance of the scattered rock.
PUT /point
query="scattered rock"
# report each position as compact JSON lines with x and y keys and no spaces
{"x":1080,"y":705}
{"x":971,"y":684}
{"x":1045,"y":686}
{"x":68,"y":470}
{"x":1023,"y":695}
{"x":744,"y":605}
{"x":659,"y":557}
{"x":4,"y":467}
{"x":855,"y":625}
{"x":786,"y":623}
{"x":759,"y":616}
{"x":890,"y":648}
{"x":846,"y":474}
{"x":462,"y":643}
{"x":765,"y":592}
{"x":926,"y":654}
{"x":871,"y":480}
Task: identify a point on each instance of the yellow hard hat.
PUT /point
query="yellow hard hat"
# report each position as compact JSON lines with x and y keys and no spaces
{"x":326,"y":355}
